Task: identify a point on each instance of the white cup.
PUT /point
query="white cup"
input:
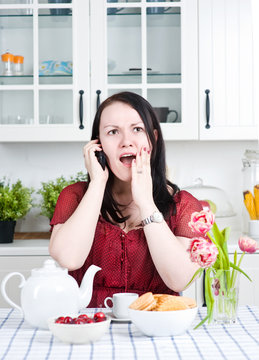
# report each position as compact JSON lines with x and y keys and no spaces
{"x":253,"y":229}
{"x":120,"y":302}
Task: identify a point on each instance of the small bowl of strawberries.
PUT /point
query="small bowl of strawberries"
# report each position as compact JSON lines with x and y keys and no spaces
{"x":81,"y":329}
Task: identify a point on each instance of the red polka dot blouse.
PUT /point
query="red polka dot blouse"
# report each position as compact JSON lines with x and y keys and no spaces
{"x":125,"y":259}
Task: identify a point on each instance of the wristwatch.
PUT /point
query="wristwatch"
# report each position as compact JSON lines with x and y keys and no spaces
{"x":156,"y":217}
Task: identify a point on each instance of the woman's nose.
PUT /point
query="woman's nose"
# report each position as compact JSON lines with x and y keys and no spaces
{"x":126,"y":140}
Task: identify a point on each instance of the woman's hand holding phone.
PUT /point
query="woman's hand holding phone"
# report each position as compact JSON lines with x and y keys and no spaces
{"x":96,"y":170}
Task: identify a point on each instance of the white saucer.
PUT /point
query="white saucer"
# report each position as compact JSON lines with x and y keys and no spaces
{"x":114,"y":319}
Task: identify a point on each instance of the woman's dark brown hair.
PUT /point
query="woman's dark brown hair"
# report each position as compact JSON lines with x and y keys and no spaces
{"x":162,"y":197}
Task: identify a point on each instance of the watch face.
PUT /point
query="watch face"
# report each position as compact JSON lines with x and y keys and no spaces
{"x":158,"y":217}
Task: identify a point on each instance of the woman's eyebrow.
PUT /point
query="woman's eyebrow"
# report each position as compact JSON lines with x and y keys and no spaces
{"x":110,"y":125}
{"x":137,"y":123}
{"x":117,"y":126}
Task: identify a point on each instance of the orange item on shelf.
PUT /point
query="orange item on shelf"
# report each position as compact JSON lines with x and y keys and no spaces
{"x":7,"y":57}
{"x":18,"y":59}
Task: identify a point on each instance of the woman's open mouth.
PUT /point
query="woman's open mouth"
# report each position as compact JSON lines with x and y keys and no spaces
{"x":127,"y":159}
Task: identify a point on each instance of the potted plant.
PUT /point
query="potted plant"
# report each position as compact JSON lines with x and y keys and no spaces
{"x":15,"y":202}
{"x":50,"y":191}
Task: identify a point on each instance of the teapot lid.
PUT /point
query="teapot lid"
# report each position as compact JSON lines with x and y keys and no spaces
{"x":49,"y":268}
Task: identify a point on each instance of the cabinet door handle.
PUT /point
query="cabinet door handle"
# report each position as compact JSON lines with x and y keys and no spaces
{"x":203,"y":290}
{"x":81,"y":105}
{"x":207,"y":126}
{"x":98,"y":101}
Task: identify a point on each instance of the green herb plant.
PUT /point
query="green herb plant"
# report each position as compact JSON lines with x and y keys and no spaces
{"x":15,"y":200}
{"x":50,"y":191}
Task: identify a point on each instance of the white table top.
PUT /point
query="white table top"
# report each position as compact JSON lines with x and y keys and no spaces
{"x":124,"y":341}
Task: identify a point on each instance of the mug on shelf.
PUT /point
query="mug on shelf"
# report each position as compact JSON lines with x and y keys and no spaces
{"x":163,"y":114}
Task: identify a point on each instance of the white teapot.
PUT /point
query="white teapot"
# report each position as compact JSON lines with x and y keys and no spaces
{"x":51,"y":292}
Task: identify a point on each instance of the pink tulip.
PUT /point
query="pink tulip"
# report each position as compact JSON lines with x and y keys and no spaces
{"x":203,"y":252}
{"x":247,"y":244}
{"x":201,"y":222}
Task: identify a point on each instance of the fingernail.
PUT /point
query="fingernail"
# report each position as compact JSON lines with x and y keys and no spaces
{"x":148,"y":152}
{"x":145,"y":149}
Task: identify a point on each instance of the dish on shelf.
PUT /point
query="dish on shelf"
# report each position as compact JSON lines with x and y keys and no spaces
{"x":138,"y":71}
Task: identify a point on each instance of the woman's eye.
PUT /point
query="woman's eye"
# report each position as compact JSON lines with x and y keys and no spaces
{"x":113,"y":132}
{"x":138,"y":129}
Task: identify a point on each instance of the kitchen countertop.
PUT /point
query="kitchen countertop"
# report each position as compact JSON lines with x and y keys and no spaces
{"x":32,"y":247}
{"x":25,"y":248}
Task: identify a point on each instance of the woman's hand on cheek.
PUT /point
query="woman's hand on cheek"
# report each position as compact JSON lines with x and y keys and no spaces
{"x":91,"y":162}
{"x":141,"y":183}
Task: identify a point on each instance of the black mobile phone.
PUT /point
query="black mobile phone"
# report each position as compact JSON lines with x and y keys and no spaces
{"x":101,"y":158}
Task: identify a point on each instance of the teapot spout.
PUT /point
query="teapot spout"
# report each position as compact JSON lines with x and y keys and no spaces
{"x":86,"y":288}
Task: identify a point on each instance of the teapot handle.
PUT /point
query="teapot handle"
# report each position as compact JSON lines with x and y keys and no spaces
{"x":3,"y":285}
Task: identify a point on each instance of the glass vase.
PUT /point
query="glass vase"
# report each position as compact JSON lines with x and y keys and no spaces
{"x":225,"y":289}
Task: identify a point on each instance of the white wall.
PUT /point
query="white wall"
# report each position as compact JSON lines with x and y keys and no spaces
{"x":217,"y":163}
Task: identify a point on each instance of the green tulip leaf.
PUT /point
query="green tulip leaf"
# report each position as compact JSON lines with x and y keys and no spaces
{"x":240,"y":270}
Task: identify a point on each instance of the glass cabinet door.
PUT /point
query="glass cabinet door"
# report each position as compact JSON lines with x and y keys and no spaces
{"x":124,"y":45}
{"x":145,"y":47}
{"x":16,"y":68}
{"x":16,"y":46}
{"x":12,"y":107}
{"x":55,"y":46}
{"x":55,"y":65}
{"x":39,"y":45}
{"x":146,"y":35}
{"x":163,"y":45}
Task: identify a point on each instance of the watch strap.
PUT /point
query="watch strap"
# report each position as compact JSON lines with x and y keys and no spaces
{"x":147,"y":221}
{"x":156,"y":217}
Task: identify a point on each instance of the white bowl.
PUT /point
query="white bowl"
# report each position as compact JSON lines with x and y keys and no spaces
{"x":79,"y":333}
{"x":163,"y":323}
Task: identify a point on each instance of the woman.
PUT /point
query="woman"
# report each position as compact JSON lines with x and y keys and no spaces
{"x":128,"y":219}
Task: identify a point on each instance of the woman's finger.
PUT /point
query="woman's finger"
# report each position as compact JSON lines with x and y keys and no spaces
{"x":134,"y":167}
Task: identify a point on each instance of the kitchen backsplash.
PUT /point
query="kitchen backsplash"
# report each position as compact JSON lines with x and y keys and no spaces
{"x":217,"y":163}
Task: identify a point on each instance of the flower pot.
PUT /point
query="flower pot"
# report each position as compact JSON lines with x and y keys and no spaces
{"x":7,"y":231}
{"x":225,"y":290}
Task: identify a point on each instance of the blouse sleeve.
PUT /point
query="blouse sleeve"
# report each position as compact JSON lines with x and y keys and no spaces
{"x":186,"y":204}
{"x":68,"y":201}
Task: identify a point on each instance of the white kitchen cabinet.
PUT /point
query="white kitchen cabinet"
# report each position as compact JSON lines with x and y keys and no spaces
{"x":249,"y":290}
{"x":150,"y":49}
{"x":42,"y":103}
{"x":104,"y":43}
{"x":22,"y":264}
{"x":226,"y":70}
